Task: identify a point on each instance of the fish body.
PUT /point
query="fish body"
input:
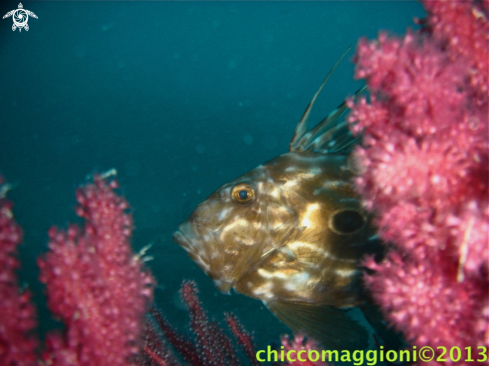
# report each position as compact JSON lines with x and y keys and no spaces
{"x":292,"y":233}
{"x":298,"y":239}
{"x":294,"y":240}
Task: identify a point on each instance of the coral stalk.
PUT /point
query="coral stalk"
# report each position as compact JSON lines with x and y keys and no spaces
{"x":210,"y":345}
{"x":183,"y":346}
{"x":244,"y":339}
{"x":211,"y":341}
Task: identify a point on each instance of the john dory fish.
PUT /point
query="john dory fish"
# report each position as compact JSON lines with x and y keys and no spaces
{"x":291,"y":233}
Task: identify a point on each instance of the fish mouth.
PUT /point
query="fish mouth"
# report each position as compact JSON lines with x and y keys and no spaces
{"x":182,"y":240}
{"x":200,"y":250}
{"x":186,"y":237}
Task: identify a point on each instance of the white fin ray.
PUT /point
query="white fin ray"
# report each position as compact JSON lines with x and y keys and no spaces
{"x":332,"y":134}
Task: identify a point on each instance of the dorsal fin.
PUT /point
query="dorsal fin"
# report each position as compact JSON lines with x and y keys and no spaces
{"x":330,"y":135}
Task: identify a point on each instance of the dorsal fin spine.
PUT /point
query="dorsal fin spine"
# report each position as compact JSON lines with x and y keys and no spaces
{"x":301,"y":127}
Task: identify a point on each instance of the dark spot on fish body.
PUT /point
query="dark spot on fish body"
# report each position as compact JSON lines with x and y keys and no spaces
{"x":346,"y":222}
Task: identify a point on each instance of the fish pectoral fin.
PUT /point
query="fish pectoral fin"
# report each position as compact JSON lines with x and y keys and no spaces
{"x":332,"y":327}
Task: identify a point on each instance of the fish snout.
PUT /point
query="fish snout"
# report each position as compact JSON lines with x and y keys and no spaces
{"x":190,"y":240}
{"x":187,"y":237}
{"x":197,"y":242}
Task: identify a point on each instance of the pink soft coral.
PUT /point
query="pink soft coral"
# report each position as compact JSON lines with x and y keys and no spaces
{"x":95,"y":284}
{"x":17,"y":314}
{"x":425,"y":173}
{"x":302,"y":351}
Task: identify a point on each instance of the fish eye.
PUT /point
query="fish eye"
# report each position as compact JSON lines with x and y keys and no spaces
{"x":243,"y":193}
{"x":346,"y":221}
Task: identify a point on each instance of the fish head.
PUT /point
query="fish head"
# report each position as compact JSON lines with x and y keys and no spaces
{"x":231,"y":232}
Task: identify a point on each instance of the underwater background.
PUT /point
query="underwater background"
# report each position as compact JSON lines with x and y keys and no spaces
{"x":180,"y":98}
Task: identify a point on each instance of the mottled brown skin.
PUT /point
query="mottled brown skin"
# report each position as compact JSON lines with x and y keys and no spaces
{"x":283,"y":245}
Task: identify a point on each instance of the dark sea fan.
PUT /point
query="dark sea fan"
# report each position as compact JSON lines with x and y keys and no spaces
{"x":209,"y":346}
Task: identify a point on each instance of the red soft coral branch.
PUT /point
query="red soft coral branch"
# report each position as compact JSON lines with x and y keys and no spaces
{"x":244,"y":339}
{"x":95,"y":284}
{"x":425,"y":173}
{"x":17,"y":315}
{"x":216,"y":346}
{"x":302,"y":348}
{"x":209,"y":345}
{"x":462,"y":27}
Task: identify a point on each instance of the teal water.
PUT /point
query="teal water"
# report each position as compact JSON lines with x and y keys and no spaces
{"x":179,"y":97}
